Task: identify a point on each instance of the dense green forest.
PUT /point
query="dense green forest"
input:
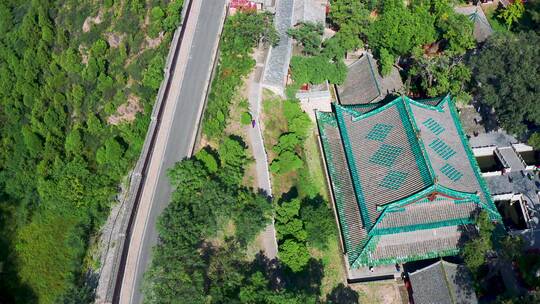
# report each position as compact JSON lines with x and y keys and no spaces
{"x":186,"y":264}
{"x":509,"y":72}
{"x":426,"y":37}
{"x":436,"y":53}
{"x":78,"y":82}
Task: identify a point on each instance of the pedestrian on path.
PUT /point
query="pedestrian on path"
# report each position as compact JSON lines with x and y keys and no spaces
{"x":253,"y":123}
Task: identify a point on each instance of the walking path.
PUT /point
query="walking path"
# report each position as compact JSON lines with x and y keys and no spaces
{"x":275,"y":73}
{"x":269,"y":242}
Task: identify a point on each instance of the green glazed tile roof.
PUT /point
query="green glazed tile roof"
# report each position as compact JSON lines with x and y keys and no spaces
{"x":400,"y":170}
{"x":434,"y":126}
{"x":393,"y":180}
{"x":451,"y":172}
{"x":379,"y":132}
{"x":347,"y":209}
{"x":386,"y":155}
{"x":444,"y":150}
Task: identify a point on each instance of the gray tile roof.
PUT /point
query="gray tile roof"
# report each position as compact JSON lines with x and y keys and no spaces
{"x":389,"y":155}
{"x":482,"y":28}
{"x":442,"y":283}
{"x":309,"y":11}
{"x":364,"y":84}
{"x":510,"y":157}
{"x":517,"y":182}
{"x":446,"y":151}
{"x":399,"y":246}
{"x":496,"y":138}
{"x":440,"y":209}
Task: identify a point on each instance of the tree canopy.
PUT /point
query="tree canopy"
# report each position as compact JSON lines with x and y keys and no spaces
{"x":512,"y":13}
{"x":431,"y":39}
{"x":309,"y":36}
{"x":506,"y":74}
{"x":475,"y":251}
{"x":350,"y":17}
{"x":62,"y":158}
{"x":201,"y":203}
{"x":241,"y":33}
{"x":399,"y":28}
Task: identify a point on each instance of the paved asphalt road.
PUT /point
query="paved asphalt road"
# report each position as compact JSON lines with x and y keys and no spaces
{"x":184,"y":124}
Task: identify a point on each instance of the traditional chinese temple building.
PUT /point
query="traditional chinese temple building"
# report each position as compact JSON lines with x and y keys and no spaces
{"x":405,"y":183}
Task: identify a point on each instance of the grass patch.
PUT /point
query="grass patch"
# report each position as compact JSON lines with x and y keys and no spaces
{"x":235,"y":127}
{"x":273,"y":121}
{"x":274,"y":124}
{"x":386,"y":292}
{"x":314,"y":165}
{"x":226,"y":229}
{"x":332,"y":259}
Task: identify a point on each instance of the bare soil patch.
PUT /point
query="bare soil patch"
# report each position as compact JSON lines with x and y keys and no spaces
{"x":148,"y":43}
{"x":152,"y":43}
{"x":89,"y":21}
{"x":384,"y":292}
{"x":114,"y":39}
{"x":126,"y":112}
{"x":83,"y":50}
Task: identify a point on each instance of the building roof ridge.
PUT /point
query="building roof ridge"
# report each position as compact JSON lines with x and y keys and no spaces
{"x":355,"y":178}
{"x":456,"y":194}
{"x":420,"y":140}
{"x":357,"y":116}
{"x":435,"y":264}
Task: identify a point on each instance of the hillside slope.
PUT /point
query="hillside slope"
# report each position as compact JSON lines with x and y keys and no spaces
{"x":77,"y":84}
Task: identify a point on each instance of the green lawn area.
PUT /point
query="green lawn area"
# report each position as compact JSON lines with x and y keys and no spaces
{"x":332,"y":257}
{"x":314,"y":164}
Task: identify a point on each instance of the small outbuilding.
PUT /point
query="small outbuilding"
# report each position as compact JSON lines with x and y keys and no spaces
{"x":364,"y":84}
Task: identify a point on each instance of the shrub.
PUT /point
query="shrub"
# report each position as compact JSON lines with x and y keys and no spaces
{"x":241,"y":33}
{"x":534,"y":140}
{"x":245,"y":118}
{"x":286,"y":162}
{"x":153,"y":75}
